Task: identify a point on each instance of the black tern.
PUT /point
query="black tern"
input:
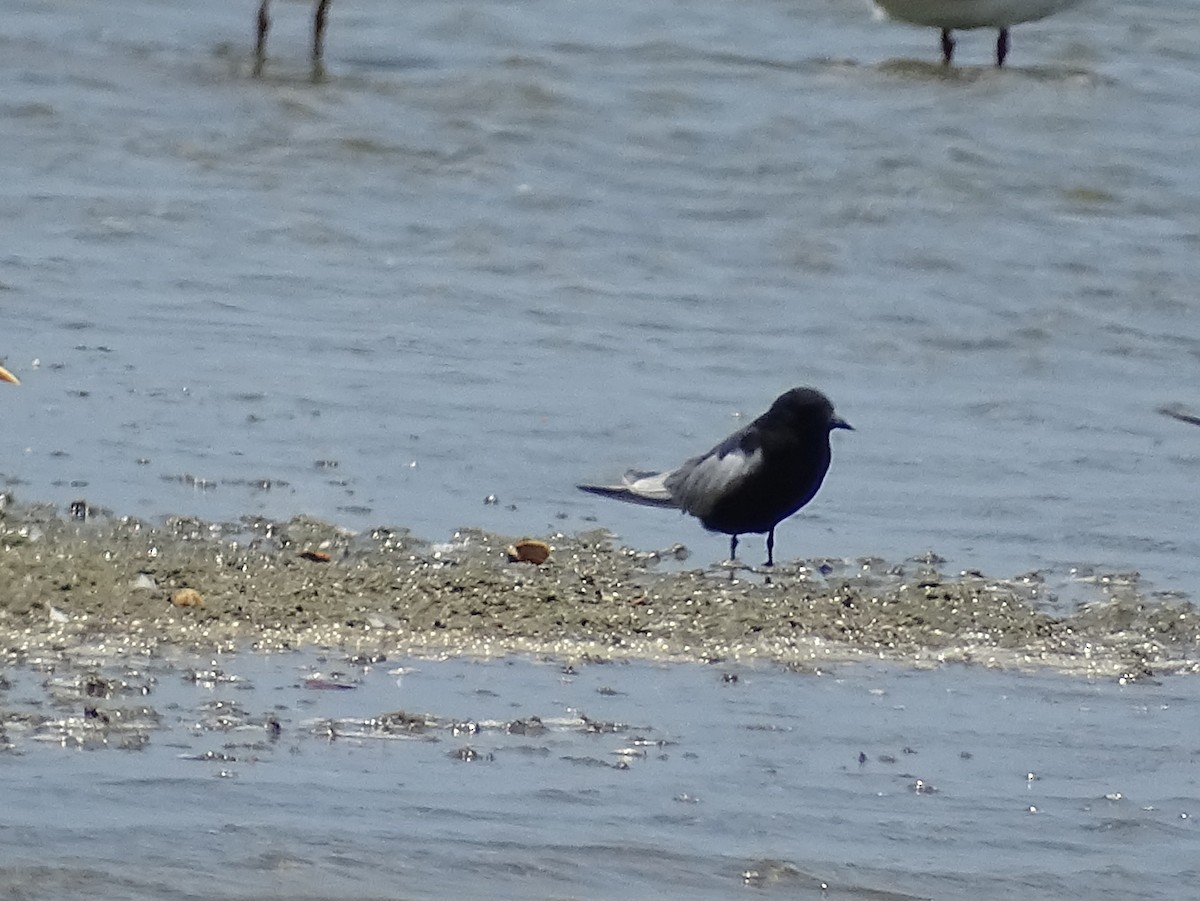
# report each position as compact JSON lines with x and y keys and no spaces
{"x":754,"y":479}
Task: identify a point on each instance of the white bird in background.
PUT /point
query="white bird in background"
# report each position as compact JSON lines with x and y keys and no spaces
{"x":951,"y":15}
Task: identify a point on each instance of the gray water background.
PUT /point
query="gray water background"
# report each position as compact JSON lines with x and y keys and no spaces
{"x":504,"y":248}
{"x":972,"y":784}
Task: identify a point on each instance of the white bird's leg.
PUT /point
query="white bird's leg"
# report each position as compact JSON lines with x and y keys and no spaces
{"x":322,"y":14}
{"x":947,"y":46}
{"x":260,"y":44}
{"x":1001,"y":47}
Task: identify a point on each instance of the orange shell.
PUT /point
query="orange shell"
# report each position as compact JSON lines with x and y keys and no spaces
{"x":529,"y":550}
{"x":187,"y":597}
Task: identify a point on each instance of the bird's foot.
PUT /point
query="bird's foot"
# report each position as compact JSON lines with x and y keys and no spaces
{"x":947,"y":47}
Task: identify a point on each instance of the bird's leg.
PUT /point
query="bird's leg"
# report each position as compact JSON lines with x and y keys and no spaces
{"x":1001,"y":47}
{"x":732,"y":548}
{"x":771,"y":547}
{"x":947,"y":47}
{"x":319,"y":19}
{"x":260,"y":44}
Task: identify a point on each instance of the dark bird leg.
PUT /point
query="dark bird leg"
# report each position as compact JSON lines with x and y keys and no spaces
{"x":319,"y":20}
{"x":260,"y":44}
{"x":1001,"y":47}
{"x":947,"y":47}
{"x":732,"y":547}
{"x":771,"y":547}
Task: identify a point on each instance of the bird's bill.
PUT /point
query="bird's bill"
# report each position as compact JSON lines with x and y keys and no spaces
{"x":838,"y":423}
{"x":6,"y":376}
{"x":1180,"y":412}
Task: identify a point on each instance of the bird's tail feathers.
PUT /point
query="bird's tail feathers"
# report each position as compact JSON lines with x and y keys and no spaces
{"x":637,"y":487}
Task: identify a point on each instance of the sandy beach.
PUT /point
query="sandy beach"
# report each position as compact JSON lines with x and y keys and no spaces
{"x":129,"y":587}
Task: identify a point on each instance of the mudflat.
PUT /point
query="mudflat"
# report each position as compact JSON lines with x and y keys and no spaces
{"x":120,"y":586}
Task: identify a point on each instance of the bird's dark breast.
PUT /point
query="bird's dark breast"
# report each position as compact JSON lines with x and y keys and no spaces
{"x":773,"y":494}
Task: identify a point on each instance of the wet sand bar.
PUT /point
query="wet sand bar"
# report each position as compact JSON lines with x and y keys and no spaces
{"x":127,"y":587}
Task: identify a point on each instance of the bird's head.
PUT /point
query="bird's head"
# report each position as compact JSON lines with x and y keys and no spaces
{"x":807,"y":409}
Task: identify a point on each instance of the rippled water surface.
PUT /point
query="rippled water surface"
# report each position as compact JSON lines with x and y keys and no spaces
{"x":530,"y":780}
{"x":502,"y":248}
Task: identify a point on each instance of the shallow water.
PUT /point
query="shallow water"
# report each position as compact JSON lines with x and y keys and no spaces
{"x":502,"y":249}
{"x":646,"y":781}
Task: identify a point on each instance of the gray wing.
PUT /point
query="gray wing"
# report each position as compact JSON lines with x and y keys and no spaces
{"x":703,"y":482}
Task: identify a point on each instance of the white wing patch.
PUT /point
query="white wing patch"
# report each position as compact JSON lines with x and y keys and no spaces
{"x":650,"y":485}
{"x":701,"y":484}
